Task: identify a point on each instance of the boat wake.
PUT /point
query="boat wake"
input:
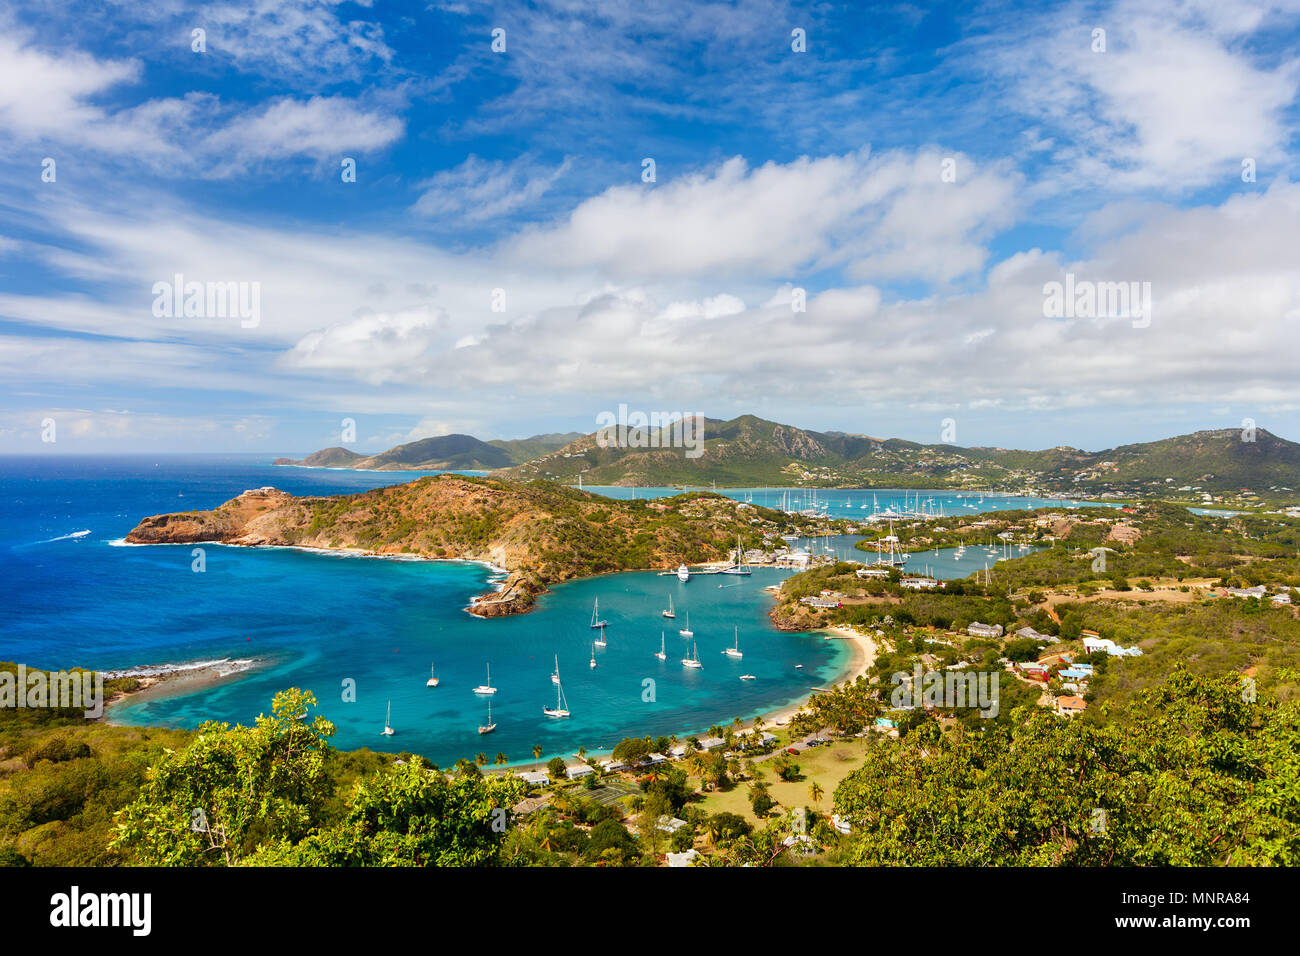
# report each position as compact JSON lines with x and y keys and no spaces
{"x":74,"y":536}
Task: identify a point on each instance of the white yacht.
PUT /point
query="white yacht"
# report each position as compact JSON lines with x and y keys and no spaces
{"x":735,"y":651}
{"x":686,"y":631}
{"x":433,"y":678}
{"x":388,"y":721}
{"x":486,"y":690}
{"x":662,"y":655}
{"x":683,"y":573}
{"x":694,"y":659}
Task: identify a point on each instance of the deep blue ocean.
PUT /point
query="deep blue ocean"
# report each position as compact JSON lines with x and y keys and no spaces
{"x":283,"y":617}
{"x":314,"y":620}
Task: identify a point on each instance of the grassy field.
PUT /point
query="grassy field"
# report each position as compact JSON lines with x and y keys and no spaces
{"x":827,"y":765}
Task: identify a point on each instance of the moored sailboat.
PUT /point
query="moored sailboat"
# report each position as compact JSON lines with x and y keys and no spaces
{"x":487,"y":689}
{"x":489,"y":726}
{"x":686,"y":631}
{"x":388,"y":721}
{"x":669,"y":612}
{"x":433,"y":678}
{"x":735,"y":651}
{"x":561,"y":708}
{"x":694,"y":659}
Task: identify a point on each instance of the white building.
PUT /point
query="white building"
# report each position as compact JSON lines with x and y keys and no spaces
{"x":578,"y":770}
{"x":919,"y":584}
{"x":1093,"y":644}
{"x":535,"y":778}
{"x":984,"y":630}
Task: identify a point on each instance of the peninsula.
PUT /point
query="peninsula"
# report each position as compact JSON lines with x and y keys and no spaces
{"x":538,"y":532}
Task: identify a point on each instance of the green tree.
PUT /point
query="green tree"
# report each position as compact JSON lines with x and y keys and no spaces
{"x":231,"y":788}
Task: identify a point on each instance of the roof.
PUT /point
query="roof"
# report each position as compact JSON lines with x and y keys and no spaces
{"x":535,"y":777}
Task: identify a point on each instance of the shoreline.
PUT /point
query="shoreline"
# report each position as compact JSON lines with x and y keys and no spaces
{"x":159,"y":681}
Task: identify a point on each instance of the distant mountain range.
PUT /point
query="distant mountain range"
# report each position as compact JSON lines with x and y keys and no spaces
{"x":750,"y":451}
{"x":443,"y":453}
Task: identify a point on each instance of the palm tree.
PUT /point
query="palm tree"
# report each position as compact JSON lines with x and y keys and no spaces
{"x":759,"y":724}
{"x":501,"y":759}
{"x":537,"y":751}
{"x":481,"y":759}
{"x":816,"y":792}
{"x":582,"y":753}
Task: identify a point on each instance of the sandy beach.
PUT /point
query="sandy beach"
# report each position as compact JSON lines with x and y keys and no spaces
{"x":862,"y":656}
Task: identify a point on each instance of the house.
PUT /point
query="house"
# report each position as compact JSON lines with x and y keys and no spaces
{"x":819,"y":602}
{"x":578,"y":770}
{"x":1069,"y":706}
{"x":919,"y":584}
{"x":1074,"y":673}
{"x":612,"y":766}
{"x":1029,"y":634}
{"x":710,"y":743}
{"x":984,"y":630}
{"x":682,"y":859}
{"x":872,"y":573}
{"x":678,"y":751}
{"x":651,"y":759}
{"x":1258,"y":591}
{"x":1092,"y":645}
{"x":535,"y":778}
{"x":669,"y":824}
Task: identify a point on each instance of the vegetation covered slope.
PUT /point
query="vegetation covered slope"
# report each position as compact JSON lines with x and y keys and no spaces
{"x":441,"y":453}
{"x":753,"y":451}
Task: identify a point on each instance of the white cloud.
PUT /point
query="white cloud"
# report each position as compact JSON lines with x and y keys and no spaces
{"x":1177,"y":99}
{"x":52,"y":98}
{"x":478,"y":190}
{"x":873,"y":216}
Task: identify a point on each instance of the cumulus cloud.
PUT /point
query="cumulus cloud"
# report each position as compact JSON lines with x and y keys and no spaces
{"x":871,"y":215}
{"x":375,"y":346}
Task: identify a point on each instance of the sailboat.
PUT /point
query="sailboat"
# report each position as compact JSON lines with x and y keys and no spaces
{"x":600,"y":641}
{"x":561,"y":708}
{"x":694,"y":659}
{"x":486,"y":689}
{"x":555,"y":677}
{"x":489,"y":726}
{"x":739,"y":566}
{"x":662,"y":655}
{"x":735,"y":651}
{"x":593,"y":665}
{"x":433,"y":678}
{"x":686,"y":631}
{"x":595,"y":615}
{"x":388,"y":721}
{"x":669,"y":612}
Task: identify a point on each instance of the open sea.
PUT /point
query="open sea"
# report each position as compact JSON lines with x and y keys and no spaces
{"x":73,"y":594}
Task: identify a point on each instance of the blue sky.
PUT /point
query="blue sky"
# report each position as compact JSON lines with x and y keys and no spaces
{"x":921,"y":172}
